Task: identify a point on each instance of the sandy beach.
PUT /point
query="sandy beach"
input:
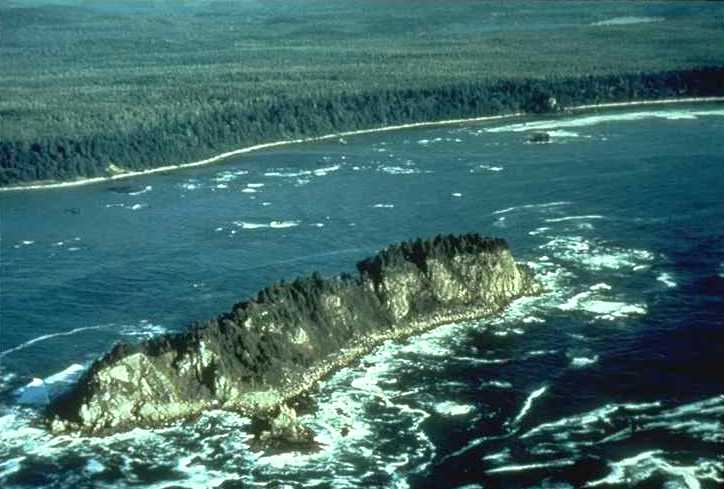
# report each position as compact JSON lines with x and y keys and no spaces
{"x":257,"y":147}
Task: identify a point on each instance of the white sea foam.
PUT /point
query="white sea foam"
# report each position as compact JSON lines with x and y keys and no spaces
{"x":450,"y":408}
{"x":93,"y":466}
{"x":714,"y":405}
{"x":144,"y":329}
{"x":608,"y":310}
{"x":580,"y":362}
{"x":255,"y":185}
{"x":560,"y":133}
{"x":145,"y":189}
{"x":542,"y":465}
{"x":283,"y":224}
{"x":544,"y":205}
{"x":627,"y":20}
{"x":586,"y":423}
{"x":399,"y":170}
{"x":481,"y":360}
{"x":533,"y":320}
{"x":250,"y":225}
{"x":599,"y":286}
{"x":271,"y":225}
{"x":248,"y":190}
{"x":574,"y":218}
{"x":492,"y":168}
{"x":574,"y":302}
{"x":498,"y":384}
{"x":46,"y":337}
{"x":538,"y":231}
{"x":615,"y":423}
{"x":286,"y":174}
{"x":321,"y":172}
{"x":227,"y":176}
{"x":345,"y":427}
{"x":6,"y":379}
{"x":529,"y":403}
{"x":428,"y":346}
{"x":537,"y":353}
{"x":595,"y":256}
{"x":666,"y":279}
{"x":10,"y":466}
{"x":639,"y":468}
{"x":426,"y":142}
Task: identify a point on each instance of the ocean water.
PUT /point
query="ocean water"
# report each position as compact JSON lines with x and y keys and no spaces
{"x":612,"y":378}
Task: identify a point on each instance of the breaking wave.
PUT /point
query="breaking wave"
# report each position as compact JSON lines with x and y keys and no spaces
{"x":627,"y":20}
{"x":545,"y":205}
{"x":592,"y":120}
{"x":265,"y":225}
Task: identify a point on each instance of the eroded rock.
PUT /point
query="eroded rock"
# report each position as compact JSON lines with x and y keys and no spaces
{"x":269,"y":350}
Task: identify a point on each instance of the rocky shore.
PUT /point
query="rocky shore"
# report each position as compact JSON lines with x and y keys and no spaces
{"x":268,"y":350}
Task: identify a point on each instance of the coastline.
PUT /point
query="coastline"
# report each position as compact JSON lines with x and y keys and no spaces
{"x":257,"y":147}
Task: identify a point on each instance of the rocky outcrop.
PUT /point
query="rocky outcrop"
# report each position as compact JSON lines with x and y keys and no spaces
{"x":273,"y":348}
{"x":539,"y":137}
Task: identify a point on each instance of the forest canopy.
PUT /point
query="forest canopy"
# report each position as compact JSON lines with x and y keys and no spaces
{"x":90,"y":87}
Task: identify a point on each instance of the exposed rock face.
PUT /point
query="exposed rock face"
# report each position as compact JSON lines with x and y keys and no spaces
{"x":286,"y":432}
{"x":271,"y":349}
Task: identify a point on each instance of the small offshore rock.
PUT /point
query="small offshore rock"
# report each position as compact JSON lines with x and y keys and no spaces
{"x":539,"y":137}
{"x":286,"y":433}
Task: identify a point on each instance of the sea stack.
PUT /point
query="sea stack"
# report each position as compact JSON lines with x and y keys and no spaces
{"x":268,"y":350}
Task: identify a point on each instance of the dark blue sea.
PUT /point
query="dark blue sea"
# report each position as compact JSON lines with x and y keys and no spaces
{"x":612,"y":378}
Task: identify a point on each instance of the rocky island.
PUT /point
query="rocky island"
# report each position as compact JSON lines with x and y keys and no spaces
{"x":268,"y":350}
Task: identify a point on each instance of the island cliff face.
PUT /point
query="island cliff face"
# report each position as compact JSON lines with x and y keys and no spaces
{"x":268,"y":350}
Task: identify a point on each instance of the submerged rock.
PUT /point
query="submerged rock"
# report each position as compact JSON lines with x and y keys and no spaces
{"x":539,"y":137}
{"x":269,"y":350}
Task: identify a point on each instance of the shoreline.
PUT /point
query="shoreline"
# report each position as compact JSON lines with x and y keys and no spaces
{"x":413,"y":125}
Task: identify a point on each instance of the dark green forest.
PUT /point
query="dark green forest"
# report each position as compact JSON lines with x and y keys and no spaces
{"x":87,"y":87}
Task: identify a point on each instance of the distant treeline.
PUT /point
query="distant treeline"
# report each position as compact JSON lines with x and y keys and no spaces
{"x":202,"y":131}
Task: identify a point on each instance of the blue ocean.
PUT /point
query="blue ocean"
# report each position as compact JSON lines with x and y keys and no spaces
{"x":614,"y":377}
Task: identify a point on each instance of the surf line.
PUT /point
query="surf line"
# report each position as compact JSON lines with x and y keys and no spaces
{"x":45,"y":337}
{"x":286,"y":142}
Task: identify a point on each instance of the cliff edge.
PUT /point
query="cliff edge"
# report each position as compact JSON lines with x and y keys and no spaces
{"x":270,"y":349}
